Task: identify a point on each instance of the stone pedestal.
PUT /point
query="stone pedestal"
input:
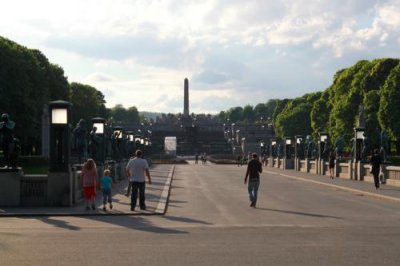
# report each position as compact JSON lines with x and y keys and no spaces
{"x":59,"y":189}
{"x":10,"y":188}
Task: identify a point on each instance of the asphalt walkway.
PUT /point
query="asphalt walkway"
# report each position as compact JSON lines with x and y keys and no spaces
{"x":156,"y":200}
{"x":157,"y":194}
{"x":361,"y":188}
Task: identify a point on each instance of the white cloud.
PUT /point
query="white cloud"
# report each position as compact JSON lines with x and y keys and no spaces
{"x":234,"y":52}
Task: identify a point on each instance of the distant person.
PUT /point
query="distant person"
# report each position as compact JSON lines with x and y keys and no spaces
{"x":376,"y":161}
{"x":332,"y":158}
{"x":239,"y":160}
{"x":136,"y":169}
{"x":106,"y":184}
{"x":89,"y":183}
{"x":196,"y":158}
{"x":254,"y":169}
{"x":204,"y":158}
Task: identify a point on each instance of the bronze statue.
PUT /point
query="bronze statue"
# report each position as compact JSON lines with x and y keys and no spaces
{"x":7,"y":137}
{"x":339,"y":143}
{"x":80,"y":140}
{"x":94,"y":142}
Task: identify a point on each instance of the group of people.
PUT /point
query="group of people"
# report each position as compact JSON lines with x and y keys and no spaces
{"x":203,"y":158}
{"x":136,"y":169}
{"x":254,"y":169}
{"x":375,"y":166}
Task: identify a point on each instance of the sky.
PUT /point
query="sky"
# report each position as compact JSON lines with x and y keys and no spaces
{"x":234,"y":52}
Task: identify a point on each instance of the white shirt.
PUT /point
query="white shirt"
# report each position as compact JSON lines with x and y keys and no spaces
{"x":137,"y":167}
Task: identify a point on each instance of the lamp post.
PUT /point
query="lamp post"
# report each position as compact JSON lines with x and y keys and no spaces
{"x":323,"y":145}
{"x":358,"y":142}
{"x":99,"y":124}
{"x":130,"y":146}
{"x":297,"y":147}
{"x":273,"y":147}
{"x":60,"y":148}
{"x":59,"y":182}
{"x":288,"y":148}
{"x":322,"y":152}
{"x":262,"y":148}
{"x":298,"y":152}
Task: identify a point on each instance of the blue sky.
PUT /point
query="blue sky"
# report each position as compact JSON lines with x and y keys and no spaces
{"x":234,"y":53}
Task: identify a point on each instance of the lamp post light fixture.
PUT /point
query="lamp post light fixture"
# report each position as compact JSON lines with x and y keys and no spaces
{"x":323,"y":145}
{"x":262,"y":148}
{"x":358,"y":142}
{"x":60,"y":148}
{"x":117,"y":130}
{"x":243,"y":144}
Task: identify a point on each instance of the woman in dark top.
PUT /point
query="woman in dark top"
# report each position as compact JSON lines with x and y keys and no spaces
{"x":376,"y":162}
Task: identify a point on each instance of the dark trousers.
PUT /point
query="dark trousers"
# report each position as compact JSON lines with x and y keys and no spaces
{"x":138,"y":187}
{"x":375,"y":173}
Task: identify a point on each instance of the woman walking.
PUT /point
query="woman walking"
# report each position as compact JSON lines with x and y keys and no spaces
{"x":376,"y":162}
{"x":332,"y":159}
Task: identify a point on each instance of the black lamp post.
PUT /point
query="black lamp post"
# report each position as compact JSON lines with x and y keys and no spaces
{"x":288,"y":148}
{"x":323,"y":145}
{"x":297,"y":147}
{"x":60,"y":148}
{"x":358,"y":142}
{"x":99,"y":124}
{"x":273,"y":147}
{"x":262,"y":148}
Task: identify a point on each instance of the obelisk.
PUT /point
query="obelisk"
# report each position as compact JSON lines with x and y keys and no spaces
{"x":186,"y":98}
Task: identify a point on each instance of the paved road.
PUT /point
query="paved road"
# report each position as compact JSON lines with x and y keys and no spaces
{"x":209,"y":222}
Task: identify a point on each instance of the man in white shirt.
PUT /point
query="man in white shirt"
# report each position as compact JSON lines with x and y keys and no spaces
{"x":136,"y":169}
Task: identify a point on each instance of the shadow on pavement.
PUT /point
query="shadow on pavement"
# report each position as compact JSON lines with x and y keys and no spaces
{"x":300,"y":213}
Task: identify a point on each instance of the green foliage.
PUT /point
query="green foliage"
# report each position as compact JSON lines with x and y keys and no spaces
{"x":389,"y":111}
{"x":319,"y":114}
{"x":128,"y":116}
{"x":28,"y":82}
{"x":87,"y":102}
{"x":248,"y":114}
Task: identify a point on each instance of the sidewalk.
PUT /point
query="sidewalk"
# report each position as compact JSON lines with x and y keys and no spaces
{"x":361,"y":188}
{"x":157,"y":195}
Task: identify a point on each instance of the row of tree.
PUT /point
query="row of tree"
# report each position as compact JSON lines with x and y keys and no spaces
{"x":368,"y":91}
{"x":28,"y":81}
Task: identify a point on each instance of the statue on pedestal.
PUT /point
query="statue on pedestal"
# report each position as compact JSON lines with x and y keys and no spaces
{"x":339,"y":143}
{"x":94,"y":142}
{"x":80,"y":140}
{"x":309,"y":150}
{"x":7,"y":140}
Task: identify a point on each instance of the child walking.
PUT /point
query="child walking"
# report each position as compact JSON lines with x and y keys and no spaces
{"x":106,"y":185}
{"x":89,"y":183}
